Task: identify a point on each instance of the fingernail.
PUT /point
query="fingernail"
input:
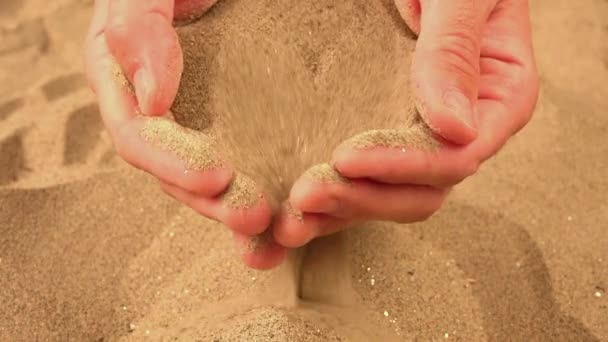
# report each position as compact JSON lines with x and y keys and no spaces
{"x":143,"y":87}
{"x":460,"y":106}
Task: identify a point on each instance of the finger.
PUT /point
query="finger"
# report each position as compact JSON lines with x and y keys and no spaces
{"x":405,"y":156}
{"x":293,"y":228}
{"x":140,"y":35}
{"x":410,"y":12}
{"x":445,"y":68}
{"x":261,"y":251}
{"x":255,"y":243}
{"x":364,"y":199}
{"x":160,"y":146}
{"x":508,"y":68}
{"x":118,"y":109}
{"x":191,"y":9}
{"x":509,"y":84}
{"x":444,"y":167}
{"x":250,"y":220}
{"x":507,"y":36}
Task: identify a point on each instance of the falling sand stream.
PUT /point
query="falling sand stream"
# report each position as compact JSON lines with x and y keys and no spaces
{"x":275,"y":97}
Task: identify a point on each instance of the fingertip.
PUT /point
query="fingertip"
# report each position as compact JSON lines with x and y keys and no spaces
{"x":248,"y":221}
{"x":450,"y":126}
{"x":344,"y":159}
{"x":293,"y":228}
{"x":299,"y":193}
{"x":308,"y":195}
{"x":260,"y":252}
{"x":452,"y":117}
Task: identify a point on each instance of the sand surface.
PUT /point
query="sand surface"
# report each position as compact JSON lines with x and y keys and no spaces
{"x":91,"y":250}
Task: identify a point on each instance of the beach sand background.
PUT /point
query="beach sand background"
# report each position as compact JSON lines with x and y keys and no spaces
{"x":91,"y":250}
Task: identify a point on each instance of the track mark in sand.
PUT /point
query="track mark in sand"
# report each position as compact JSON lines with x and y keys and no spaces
{"x":82,"y":134}
{"x":9,"y":8}
{"x":63,"y":85}
{"x":11,"y":158}
{"x":28,"y":34}
{"x":9,"y":107}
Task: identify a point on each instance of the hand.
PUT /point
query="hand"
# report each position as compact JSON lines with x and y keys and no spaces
{"x":476,"y":85}
{"x":135,"y":38}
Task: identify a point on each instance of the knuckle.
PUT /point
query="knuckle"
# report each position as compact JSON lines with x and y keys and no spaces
{"x":458,"y":49}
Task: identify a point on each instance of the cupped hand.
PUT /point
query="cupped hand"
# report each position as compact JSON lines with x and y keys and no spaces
{"x":476,"y":85}
{"x":135,"y":39}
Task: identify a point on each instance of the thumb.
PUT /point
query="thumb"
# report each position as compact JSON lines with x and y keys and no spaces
{"x":445,"y":68}
{"x":140,"y":36}
{"x":186,"y":10}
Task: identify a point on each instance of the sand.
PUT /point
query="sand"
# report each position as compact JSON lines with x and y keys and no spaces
{"x":91,"y":250}
{"x":191,"y":146}
{"x":281,"y":93}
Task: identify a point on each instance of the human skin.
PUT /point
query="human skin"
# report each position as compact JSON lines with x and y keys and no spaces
{"x":474,"y":78}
